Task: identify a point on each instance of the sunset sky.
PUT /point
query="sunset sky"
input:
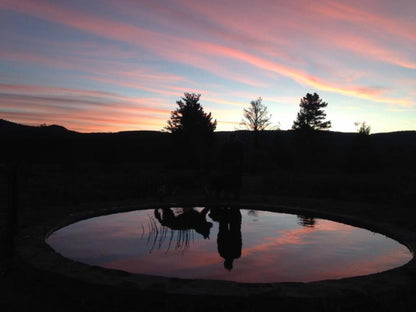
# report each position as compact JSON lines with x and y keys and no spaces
{"x":100,"y":66}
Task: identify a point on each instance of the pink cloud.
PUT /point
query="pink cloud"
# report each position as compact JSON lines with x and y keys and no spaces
{"x":103,"y":111}
{"x":380,"y":23}
{"x":30,"y":89}
{"x":160,"y":264}
{"x":312,"y":26}
{"x":370,"y":93}
{"x":370,"y":49}
{"x":165,"y":45}
{"x":297,"y":236}
{"x":252,"y":45}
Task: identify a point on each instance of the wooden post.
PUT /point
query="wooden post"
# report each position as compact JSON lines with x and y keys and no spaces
{"x":13,"y":206}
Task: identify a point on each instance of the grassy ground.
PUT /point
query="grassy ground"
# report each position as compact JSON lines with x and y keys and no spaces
{"x":50,"y":191}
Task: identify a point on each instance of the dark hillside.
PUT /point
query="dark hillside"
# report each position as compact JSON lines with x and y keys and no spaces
{"x":56,"y":144}
{"x":329,"y":149}
{"x":59,"y":165}
{"x":396,"y":149}
{"x":11,"y":130}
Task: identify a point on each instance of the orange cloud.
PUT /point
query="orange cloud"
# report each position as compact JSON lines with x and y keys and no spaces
{"x":85,"y":110}
{"x":373,"y":94}
{"x":379,"y":23}
{"x":30,"y":89}
{"x":297,"y":236}
{"x":252,"y":45}
{"x":165,"y":45}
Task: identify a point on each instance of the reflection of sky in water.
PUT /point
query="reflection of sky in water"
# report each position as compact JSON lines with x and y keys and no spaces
{"x":275,"y":248}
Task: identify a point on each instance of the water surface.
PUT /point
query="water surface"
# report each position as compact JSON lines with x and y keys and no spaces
{"x":228,"y":244}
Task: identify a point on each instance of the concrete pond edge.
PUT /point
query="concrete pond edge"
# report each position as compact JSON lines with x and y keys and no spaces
{"x":37,"y":256}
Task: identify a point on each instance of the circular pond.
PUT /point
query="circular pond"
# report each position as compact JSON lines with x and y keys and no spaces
{"x":233,"y":244}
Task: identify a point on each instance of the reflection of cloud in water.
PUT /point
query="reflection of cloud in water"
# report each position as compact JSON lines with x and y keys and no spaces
{"x":275,"y":248}
{"x":163,"y":238}
{"x":200,"y":266}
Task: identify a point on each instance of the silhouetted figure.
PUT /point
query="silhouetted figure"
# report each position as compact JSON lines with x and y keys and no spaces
{"x":229,"y":234}
{"x":189,"y":219}
{"x":232,"y":167}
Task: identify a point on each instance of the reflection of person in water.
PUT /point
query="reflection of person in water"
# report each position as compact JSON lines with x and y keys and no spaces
{"x":229,"y":234}
{"x":189,"y":219}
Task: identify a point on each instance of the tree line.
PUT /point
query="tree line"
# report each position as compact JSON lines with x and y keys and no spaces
{"x":193,"y":135}
{"x":189,"y":119}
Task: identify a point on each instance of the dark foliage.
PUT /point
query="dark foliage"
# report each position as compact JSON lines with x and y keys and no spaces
{"x":77,"y":167}
{"x":363,"y":157}
{"x":193,"y":130}
{"x":55,"y":144}
{"x":256,"y":116}
{"x":311,"y":115}
{"x":57,"y":167}
{"x":190,"y":121}
{"x":363,"y":128}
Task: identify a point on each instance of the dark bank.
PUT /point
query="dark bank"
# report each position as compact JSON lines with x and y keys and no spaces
{"x":50,"y":172}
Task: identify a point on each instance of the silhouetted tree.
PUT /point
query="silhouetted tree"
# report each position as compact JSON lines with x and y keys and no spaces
{"x":189,"y":219}
{"x":193,"y":128}
{"x":310,"y":119}
{"x":363,"y":156}
{"x":256,"y":117}
{"x":362,"y":128}
{"x":189,"y":119}
{"x":311,"y":115}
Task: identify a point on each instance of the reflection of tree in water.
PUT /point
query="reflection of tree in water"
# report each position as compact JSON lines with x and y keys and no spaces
{"x":158,"y":234}
{"x":306,"y":221}
{"x":229,"y":239}
{"x":182,"y":225}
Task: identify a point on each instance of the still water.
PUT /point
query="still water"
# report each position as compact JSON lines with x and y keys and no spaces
{"x":228,"y":244}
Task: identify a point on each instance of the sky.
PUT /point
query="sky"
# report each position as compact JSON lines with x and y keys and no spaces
{"x":109,"y":66}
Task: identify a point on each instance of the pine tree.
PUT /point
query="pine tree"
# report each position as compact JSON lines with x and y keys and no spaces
{"x":189,"y":120}
{"x":311,"y":115}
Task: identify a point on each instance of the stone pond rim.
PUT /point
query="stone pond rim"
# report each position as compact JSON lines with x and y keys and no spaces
{"x":39,"y":258}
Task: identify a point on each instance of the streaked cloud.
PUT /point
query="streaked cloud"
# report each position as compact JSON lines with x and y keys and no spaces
{"x":352,"y":52}
{"x":88,"y":108}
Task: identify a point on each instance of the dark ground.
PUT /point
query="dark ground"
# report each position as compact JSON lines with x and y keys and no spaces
{"x":22,"y":289}
{"x":376,"y":182}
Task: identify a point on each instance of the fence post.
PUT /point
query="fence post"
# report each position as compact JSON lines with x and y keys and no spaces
{"x":13,"y":206}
